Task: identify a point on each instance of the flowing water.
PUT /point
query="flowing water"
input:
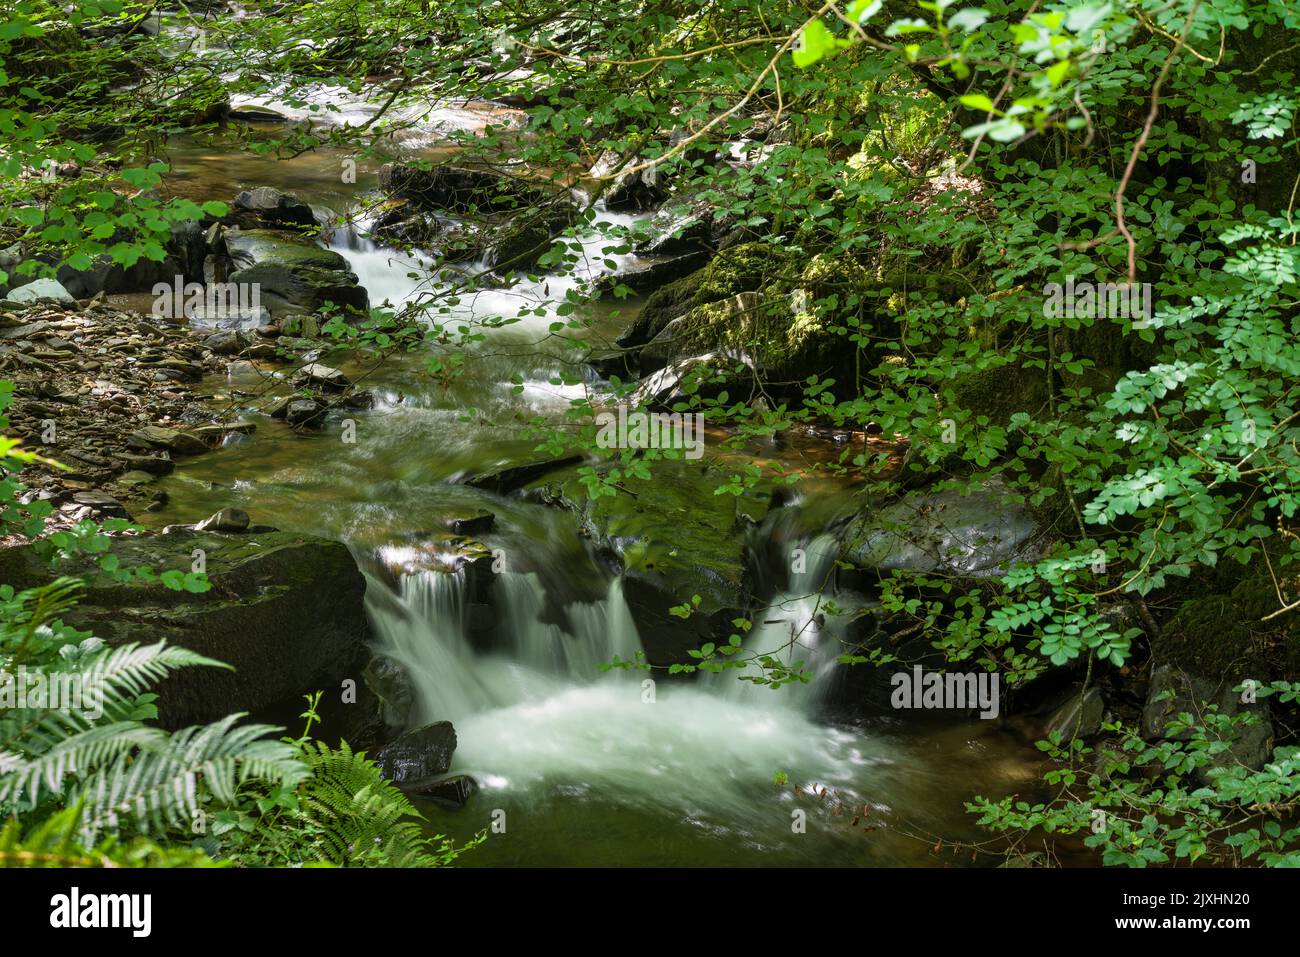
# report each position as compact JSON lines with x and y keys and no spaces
{"x":581,"y":765}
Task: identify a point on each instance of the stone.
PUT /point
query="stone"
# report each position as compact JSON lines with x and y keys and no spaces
{"x":1174,"y":691}
{"x":303,"y":412}
{"x":979,"y":534}
{"x":418,"y":755}
{"x":39,"y":290}
{"x":275,"y":208}
{"x":228,"y":520}
{"x":475,"y":524}
{"x":227,"y":342}
{"x":510,"y":478}
{"x":451,"y":792}
{"x":288,"y":615}
{"x":157,"y":437}
{"x":319,"y":374}
{"x":292,"y":273}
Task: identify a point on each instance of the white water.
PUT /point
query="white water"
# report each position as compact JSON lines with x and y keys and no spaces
{"x":539,"y":715}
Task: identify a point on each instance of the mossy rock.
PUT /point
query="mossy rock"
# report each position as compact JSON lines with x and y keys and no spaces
{"x":285,"y":611}
{"x":1224,"y":635}
{"x":744,"y":268}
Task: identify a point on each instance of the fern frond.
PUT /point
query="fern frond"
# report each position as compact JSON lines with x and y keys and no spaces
{"x":158,"y":787}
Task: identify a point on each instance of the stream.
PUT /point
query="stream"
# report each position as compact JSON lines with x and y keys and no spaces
{"x":588,"y":767}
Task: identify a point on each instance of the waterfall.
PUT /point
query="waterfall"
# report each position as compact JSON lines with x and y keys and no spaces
{"x":427,"y":632}
{"x":793,"y":627}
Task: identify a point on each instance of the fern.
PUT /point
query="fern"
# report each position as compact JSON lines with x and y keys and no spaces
{"x":57,"y":841}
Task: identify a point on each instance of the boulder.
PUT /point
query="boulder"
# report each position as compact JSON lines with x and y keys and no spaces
{"x":40,"y":290}
{"x":418,"y":755}
{"x":465,"y":188}
{"x":321,"y":376}
{"x":1174,"y":691}
{"x":978,"y":534}
{"x":286,"y":611}
{"x":275,"y":208}
{"x":293,"y":274}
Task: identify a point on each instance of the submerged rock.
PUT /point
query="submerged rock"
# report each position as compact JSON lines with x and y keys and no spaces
{"x":418,"y":755}
{"x":286,"y":612}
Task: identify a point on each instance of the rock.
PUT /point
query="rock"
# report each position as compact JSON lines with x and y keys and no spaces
{"x":101,"y":502}
{"x":464,"y":188}
{"x":150,"y":465}
{"x":292,"y":273}
{"x":976,"y":535}
{"x":39,"y":290}
{"x":227,"y":520}
{"x":510,"y":478}
{"x":646,"y":274}
{"x":286,"y":612}
{"x":679,"y":232}
{"x":138,"y":477}
{"x":634,"y":191}
{"x":1078,"y":716}
{"x":304,"y":412}
{"x":704,"y":375}
{"x":227,"y":342}
{"x":157,"y":437}
{"x":745,"y":268}
{"x":1174,"y":691}
{"x":475,"y":524}
{"x":275,"y":208}
{"x":418,"y":755}
{"x":323,"y":376}
{"x":674,"y":539}
{"x":450,"y":792}
{"x":518,"y":245}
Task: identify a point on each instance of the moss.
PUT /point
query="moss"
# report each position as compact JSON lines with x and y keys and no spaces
{"x":747,"y":267}
{"x":1000,"y":392}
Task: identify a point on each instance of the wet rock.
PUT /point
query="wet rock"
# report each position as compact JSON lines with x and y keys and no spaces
{"x":975,"y":535}
{"x":101,"y":502}
{"x":418,"y":755}
{"x":304,"y":412}
{"x":647,"y":274}
{"x":228,"y":520}
{"x":705,"y":375}
{"x":519,"y":245}
{"x":275,"y":208}
{"x":450,"y":792}
{"x":674,"y":538}
{"x":1080,"y":716}
{"x":632,"y":190}
{"x":391,"y":684}
{"x":465,"y":188}
{"x":322,"y":376}
{"x":475,"y":524}
{"x":157,"y":437}
{"x":679,"y":232}
{"x":286,"y":612}
{"x":151,"y":465}
{"x":510,"y":478}
{"x":292,"y":273}
{"x":1174,"y":691}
